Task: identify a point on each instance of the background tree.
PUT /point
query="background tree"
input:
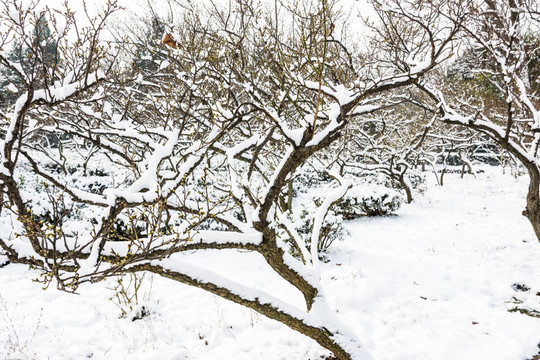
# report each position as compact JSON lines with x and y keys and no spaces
{"x":501,"y":100}
{"x":43,"y":46}
{"x":9,"y":80}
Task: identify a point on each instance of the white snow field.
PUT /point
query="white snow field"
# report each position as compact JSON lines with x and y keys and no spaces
{"x":435,"y":282}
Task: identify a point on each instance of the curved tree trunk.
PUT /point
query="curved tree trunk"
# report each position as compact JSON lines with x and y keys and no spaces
{"x":320,"y":334}
{"x":406,"y":186}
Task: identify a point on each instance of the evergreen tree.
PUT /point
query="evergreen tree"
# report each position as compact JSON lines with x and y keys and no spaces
{"x":39,"y":61}
{"x":43,"y":60}
{"x":145,"y":57}
{"x":11,"y":84}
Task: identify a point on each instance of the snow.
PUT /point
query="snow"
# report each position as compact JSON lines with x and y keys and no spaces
{"x":452,"y":116}
{"x":164,"y":64}
{"x":12,"y":88}
{"x":58,"y":93}
{"x":294,"y":135}
{"x":306,"y":255}
{"x":342,"y":94}
{"x":220,"y":237}
{"x":323,"y":134}
{"x":420,"y":66}
{"x":434,"y":282}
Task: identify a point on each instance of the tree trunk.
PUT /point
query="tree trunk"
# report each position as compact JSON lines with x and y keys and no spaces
{"x":532,"y":211}
{"x":441,"y":183}
{"x":407,"y":188}
{"x":320,"y":334}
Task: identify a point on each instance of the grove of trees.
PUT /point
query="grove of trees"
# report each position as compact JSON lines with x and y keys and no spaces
{"x":145,"y":152}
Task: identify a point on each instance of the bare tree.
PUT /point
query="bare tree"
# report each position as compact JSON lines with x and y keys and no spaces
{"x":502,"y":98}
{"x":197,"y":152}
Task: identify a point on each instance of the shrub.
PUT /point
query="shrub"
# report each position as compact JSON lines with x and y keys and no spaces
{"x":371,"y":200}
{"x":368,"y":200}
{"x":362,"y":200}
{"x":331,"y":229}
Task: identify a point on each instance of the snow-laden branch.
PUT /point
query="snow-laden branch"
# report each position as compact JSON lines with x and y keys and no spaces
{"x":320,"y":320}
{"x":481,"y":122}
{"x":201,"y":240}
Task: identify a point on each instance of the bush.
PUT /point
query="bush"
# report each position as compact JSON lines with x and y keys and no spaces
{"x":368,"y":200}
{"x":417,"y":180}
{"x":331,"y":229}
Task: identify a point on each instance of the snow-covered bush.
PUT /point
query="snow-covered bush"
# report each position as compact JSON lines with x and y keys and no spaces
{"x":368,"y":200}
{"x":417,"y":179}
{"x":382,"y":193}
{"x":309,"y":179}
{"x":330,"y":231}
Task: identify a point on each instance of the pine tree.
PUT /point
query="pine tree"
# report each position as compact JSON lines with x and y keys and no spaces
{"x":11,"y":84}
{"x":43,"y":51}
{"x":146,"y":58}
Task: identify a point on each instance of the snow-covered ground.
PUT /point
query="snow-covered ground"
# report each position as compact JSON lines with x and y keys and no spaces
{"x":435,"y":282}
